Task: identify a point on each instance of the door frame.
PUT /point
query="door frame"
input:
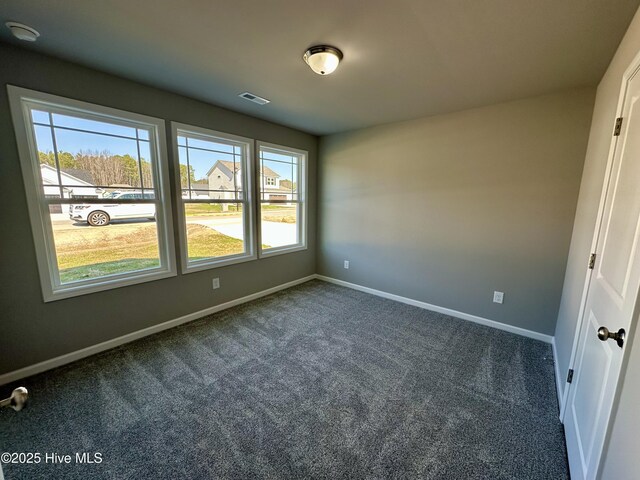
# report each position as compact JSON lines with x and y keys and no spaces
{"x":633,"y":68}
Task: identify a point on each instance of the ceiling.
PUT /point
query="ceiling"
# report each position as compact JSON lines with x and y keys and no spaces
{"x":402,"y":58}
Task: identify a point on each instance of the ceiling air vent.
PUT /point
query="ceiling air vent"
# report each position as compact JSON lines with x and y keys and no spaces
{"x":254,"y":98}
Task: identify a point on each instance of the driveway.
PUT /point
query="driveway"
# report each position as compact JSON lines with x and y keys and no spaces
{"x":274,"y":234}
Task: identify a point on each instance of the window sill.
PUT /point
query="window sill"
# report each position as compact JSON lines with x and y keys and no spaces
{"x":272,"y":252}
{"x":69,"y":291}
{"x":211,"y":264}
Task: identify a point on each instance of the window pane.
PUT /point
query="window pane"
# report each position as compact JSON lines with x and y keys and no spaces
{"x":209,"y":145}
{"x":214,"y":230}
{"x":145,"y":165}
{"x":217,"y":171}
{"x":96,"y":159}
{"x":39,"y":116}
{"x":211,"y":168}
{"x":280,"y":157}
{"x":210,"y":171}
{"x":44,"y":142}
{"x":185,"y":171}
{"x":279,"y":225}
{"x":76,"y":191}
{"x":277,"y":180}
{"x":282,"y":206}
{"x":122,"y":245}
{"x":104,"y":128}
{"x":143,"y":134}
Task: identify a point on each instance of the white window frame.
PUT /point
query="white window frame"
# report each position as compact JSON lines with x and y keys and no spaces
{"x":302,"y":209}
{"x":248,"y":210}
{"x":21,"y":100}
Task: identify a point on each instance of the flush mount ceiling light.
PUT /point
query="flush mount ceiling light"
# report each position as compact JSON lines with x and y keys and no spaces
{"x":323,"y":59}
{"x":23,"y":32}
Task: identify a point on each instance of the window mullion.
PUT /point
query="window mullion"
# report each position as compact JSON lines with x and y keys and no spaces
{"x":55,"y":154}
{"x":186,"y":148}
{"x":139,"y":163}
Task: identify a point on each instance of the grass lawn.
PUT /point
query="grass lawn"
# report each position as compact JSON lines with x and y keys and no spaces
{"x":270,"y":213}
{"x":107,"y":268}
{"x":206,"y":243}
{"x":197,"y":209}
{"x":90,"y":252}
{"x":279,"y":213}
{"x":281,"y":218}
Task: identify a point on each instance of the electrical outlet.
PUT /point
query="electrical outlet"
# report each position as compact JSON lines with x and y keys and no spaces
{"x":498,"y":297}
{"x":216,"y":283}
{"x":346,"y":264}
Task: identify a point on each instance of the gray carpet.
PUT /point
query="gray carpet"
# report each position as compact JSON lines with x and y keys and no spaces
{"x":317,"y":381}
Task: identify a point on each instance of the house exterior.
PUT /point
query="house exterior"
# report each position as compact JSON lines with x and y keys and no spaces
{"x":221,"y":178}
{"x":199,"y":189}
{"x":77,"y":183}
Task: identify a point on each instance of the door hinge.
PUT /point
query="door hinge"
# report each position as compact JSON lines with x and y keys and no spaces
{"x":618,"y":127}
{"x":570,"y":376}
{"x":592,"y":261}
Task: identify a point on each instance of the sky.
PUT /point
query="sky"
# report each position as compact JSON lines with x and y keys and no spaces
{"x":74,"y":141}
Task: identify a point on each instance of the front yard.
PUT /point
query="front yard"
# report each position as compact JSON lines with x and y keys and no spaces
{"x":90,"y":252}
{"x":122,"y":246}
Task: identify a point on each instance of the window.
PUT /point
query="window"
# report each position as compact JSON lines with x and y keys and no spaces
{"x":282,"y":199}
{"x":216,"y":198}
{"x":96,"y":184}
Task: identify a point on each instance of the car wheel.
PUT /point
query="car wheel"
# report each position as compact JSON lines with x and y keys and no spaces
{"x":98,"y":219}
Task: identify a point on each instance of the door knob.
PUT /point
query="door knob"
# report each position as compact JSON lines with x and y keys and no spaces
{"x":604,"y":334}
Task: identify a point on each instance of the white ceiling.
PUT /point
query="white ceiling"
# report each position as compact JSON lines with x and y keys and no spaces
{"x":402,"y":58}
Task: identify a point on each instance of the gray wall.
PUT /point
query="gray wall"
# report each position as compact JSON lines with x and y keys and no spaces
{"x":448,"y":209}
{"x":32,"y":331}
{"x":621,"y":459}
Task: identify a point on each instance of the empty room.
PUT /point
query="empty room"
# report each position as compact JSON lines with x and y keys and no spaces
{"x":348,"y":240}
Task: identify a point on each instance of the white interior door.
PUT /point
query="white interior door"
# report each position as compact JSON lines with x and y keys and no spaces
{"x":611,"y":299}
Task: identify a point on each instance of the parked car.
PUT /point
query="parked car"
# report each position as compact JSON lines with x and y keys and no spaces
{"x":98,"y":215}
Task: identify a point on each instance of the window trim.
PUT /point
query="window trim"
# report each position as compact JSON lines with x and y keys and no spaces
{"x":20,"y":101}
{"x":303,"y":178}
{"x":249,"y":222}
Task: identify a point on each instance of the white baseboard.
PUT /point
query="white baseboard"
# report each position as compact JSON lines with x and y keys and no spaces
{"x":447,"y":311}
{"x":130,"y":337}
{"x":559,"y":378}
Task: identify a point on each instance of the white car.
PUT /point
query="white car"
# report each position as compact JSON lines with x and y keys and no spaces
{"x":98,"y":215}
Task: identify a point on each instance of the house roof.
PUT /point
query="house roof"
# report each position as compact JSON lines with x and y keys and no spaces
{"x":268,"y":172}
{"x":83,"y":175}
{"x":72,"y":175}
{"x":234,"y":167}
